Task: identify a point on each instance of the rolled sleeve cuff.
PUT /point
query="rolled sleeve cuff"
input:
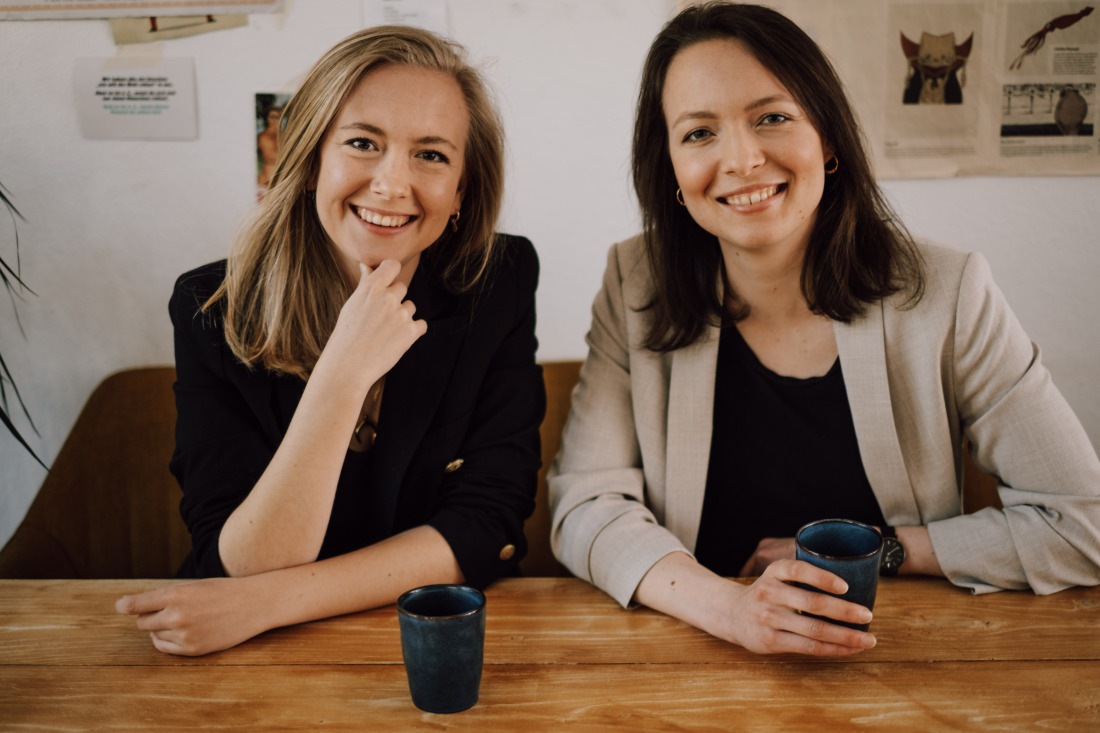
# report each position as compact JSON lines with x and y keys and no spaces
{"x":964,"y":550}
{"x":627,"y":550}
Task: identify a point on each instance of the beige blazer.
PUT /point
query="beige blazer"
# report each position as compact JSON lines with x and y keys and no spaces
{"x":627,"y":487}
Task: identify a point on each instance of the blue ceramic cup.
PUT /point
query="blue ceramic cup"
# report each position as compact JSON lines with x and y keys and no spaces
{"x":846,"y":548}
{"x":443,"y":643}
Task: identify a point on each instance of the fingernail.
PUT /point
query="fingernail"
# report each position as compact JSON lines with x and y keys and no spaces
{"x":865,"y":616}
{"x":868,"y":641}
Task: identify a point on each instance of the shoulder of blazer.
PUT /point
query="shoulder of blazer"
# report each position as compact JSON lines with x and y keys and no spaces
{"x":940,"y":259}
{"x":204,"y":330}
{"x":631,"y":259}
{"x":510,"y":279}
{"x":516,"y":259}
{"x":629,"y":273}
{"x":943,"y":268}
{"x":512,"y":268}
{"x":193,"y":288}
{"x":202,"y":281}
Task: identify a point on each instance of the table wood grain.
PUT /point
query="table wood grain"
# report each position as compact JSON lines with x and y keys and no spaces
{"x":560,"y":653}
{"x":775,"y":697}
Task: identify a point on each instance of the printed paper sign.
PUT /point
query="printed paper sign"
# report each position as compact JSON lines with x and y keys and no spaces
{"x":136,"y":99}
{"x":60,"y":9}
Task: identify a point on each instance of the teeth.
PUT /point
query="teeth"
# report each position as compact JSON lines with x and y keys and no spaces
{"x":383,"y":221}
{"x":755,"y":197}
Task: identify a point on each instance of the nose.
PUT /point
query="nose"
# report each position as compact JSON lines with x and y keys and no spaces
{"x":741,"y":153}
{"x":391,"y":178}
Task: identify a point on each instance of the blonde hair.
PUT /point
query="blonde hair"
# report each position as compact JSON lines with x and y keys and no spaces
{"x":283,"y":287}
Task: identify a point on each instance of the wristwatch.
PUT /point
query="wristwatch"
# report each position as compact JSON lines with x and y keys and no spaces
{"x":893,"y":554}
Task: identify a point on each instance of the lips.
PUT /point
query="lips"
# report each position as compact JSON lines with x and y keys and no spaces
{"x":392,"y":221}
{"x":753,"y":197}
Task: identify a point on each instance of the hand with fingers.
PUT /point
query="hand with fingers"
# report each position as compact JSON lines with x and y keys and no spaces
{"x":770,"y":616}
{"x":199,"y":617}
{"x":376,"y":325}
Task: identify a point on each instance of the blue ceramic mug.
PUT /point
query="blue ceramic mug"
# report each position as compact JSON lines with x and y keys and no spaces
{"x":850,"y":549}
{"x":443,"y":643}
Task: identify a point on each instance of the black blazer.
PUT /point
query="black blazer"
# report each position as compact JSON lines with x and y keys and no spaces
{"x":468,"y":391}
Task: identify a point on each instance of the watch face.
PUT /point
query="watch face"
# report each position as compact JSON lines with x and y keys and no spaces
{"x":893,"y":555}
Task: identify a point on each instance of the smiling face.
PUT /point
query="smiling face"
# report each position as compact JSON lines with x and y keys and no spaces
{"x":391,"y":167}
{"x":748,"y":161}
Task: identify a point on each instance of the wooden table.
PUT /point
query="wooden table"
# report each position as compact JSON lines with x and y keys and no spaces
{"x":560,"y":654}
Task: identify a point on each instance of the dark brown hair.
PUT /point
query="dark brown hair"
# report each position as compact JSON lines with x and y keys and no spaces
{"x":859,"y":251}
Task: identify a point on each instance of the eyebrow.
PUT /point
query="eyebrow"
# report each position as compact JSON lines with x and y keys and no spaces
{"x":425,"y":140}
{"x":757,"y":104}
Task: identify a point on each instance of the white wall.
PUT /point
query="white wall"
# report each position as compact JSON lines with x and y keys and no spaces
{"x":111,"y":224}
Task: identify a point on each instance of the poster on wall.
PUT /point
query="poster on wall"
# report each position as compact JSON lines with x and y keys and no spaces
{"x":1048,"y":86}
{"x":971,"y":87}
{"x":931,"y":109}
{"x":128,"y":31}
{"x":69,"y":9}
{"x":136,"y":99}
{"x":269,"y":115}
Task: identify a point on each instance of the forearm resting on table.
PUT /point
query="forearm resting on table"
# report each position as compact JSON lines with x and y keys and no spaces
{"x":368,"y":578}
{"x":677,"y":585}
{"x":203,"y":616}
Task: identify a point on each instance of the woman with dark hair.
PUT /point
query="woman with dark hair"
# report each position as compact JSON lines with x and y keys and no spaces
{"x":357,"y":393}
{"x":775,"y":348}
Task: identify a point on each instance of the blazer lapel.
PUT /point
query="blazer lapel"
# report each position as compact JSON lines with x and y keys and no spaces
{"x":862,"y":348}
{"x":414,"y":388}
{"x":690,"y":424}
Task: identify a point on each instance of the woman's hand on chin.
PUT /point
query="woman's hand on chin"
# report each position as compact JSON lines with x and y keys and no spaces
{"x":377,"y":325}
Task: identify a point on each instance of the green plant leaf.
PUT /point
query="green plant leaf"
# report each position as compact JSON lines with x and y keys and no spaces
{"x":11,"y":427}
{"x":14,"y":284}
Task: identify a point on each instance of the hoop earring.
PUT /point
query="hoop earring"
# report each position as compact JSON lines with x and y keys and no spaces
{"x":454,"y":221}
{"x":836,"y":164}
{"x":680,"y":198}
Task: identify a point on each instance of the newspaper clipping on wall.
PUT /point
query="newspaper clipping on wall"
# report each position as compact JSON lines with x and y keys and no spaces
{"x":979,"y":87}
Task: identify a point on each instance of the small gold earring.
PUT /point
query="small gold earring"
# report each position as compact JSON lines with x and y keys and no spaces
{"x":836,"y":164}
{"x":454,"y":221}
{"x":680,"y":198}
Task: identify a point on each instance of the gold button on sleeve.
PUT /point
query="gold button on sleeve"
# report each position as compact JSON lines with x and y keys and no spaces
{"x":453,"y":465}
{"x":507,"y":551}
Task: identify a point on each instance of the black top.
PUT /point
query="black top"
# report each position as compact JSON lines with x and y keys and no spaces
{"x":783,"y":453}
{"x":468,"y":389}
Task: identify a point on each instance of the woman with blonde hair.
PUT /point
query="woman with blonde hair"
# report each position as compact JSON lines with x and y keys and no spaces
{"x":357,"y":390}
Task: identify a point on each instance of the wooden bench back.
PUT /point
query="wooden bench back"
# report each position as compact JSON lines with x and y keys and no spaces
{"x":109,"y":508}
